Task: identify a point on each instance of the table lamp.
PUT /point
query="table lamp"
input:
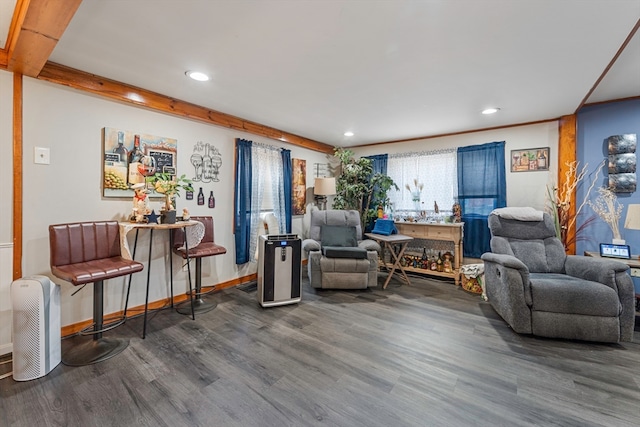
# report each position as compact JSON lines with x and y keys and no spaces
{"x":323,"y":187}
{"x":632,"y":221}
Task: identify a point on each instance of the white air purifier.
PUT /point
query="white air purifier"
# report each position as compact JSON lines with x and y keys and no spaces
{"x":36,"y":327}
{"x":279,"y":270}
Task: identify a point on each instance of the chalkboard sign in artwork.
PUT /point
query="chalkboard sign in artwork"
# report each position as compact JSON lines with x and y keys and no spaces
{"x":129,"y":157}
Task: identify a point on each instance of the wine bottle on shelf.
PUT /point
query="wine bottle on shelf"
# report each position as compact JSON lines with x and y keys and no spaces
{"x":135,"y":177}
{"x":212,"y":200}
{"x":439,"y":266}
{"x":200,"y":197}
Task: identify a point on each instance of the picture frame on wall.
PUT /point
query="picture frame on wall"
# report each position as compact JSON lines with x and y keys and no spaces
{"x":130,"y":157}
{"x":530,"y":160}
{"x":299,"y":186}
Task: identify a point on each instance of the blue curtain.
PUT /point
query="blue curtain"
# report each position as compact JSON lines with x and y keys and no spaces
{"x":379,"y":163}
{"x":242,"y":200}
{"x":482,"y":187}
{"x":287,"y":171}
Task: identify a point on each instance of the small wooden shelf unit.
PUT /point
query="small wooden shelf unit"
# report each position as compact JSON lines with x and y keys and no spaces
{"x":432,"y":231}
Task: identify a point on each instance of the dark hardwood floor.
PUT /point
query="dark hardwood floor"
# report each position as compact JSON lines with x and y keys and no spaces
{"x":425,"y":355}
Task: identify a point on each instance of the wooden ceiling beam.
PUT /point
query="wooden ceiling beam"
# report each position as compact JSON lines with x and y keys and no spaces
{"x":36,"y":28}
{"x":121,"y":92}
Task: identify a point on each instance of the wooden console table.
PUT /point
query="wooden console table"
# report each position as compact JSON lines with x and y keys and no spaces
{"x":434,"y":231}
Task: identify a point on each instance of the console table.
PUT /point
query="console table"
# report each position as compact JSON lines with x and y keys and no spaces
{"x":436,"y":231}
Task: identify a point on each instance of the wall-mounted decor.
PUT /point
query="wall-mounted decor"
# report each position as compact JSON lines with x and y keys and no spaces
{"x":531,"y":159}
{"x":622,"y":163}
{"x":130,"y":157}
{"x":299,"y":186}
{"x":206,"y":161}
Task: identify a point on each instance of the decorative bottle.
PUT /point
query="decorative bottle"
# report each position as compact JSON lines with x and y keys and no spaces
{"x":207,"y":165}
{"x":542,"y":160}
{"x":135,"y":155}
{"x":439,"y":265}
{"x":212,"y":200}
{"x":121,"y":149}
{"x":200,"y":197}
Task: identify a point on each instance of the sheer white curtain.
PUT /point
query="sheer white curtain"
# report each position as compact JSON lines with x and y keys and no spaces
{"x":267,"y":189}
{"x":435,"y":170}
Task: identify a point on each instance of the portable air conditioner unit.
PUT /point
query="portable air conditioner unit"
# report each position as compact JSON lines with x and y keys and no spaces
{"x":279,"y":272}
{"x":36,"y":327}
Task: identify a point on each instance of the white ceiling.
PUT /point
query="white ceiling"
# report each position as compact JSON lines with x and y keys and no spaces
{"x":386,"y":69}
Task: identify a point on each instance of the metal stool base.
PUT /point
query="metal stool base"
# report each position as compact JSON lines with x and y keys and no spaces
{"x":94,"y":351}
{"x":199,"y":306}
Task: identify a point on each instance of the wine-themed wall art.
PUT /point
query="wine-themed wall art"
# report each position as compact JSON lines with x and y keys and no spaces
{"x":531,"y":159}
{"x":206,"y":162}
{"x":622,"y":163}
{"x":299,"y":186}
{"x":130,"y":157}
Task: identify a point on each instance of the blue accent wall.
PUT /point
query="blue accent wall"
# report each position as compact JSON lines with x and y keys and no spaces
{"x":595,"y":124}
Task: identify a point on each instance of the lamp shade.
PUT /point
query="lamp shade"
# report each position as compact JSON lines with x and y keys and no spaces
{"x":325,"y":187}
{"x":632,"y":222}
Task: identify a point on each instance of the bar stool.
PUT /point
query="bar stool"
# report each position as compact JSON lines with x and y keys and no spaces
{"x":89,"y":252}
{"x":206,"y":248}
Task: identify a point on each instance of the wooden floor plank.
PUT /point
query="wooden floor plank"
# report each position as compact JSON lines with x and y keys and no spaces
{"x":420,"y":355}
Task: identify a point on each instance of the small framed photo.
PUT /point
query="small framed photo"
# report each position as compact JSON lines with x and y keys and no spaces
{"x":530,"y":159}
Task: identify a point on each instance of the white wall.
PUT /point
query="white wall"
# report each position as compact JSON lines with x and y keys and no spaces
{"x":523,"y":188}
{"x":70,"y":123}
{"x":6,"y":189}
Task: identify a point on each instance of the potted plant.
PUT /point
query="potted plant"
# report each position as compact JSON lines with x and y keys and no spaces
{"x":358,"y":188}
{"x":169,"y":186}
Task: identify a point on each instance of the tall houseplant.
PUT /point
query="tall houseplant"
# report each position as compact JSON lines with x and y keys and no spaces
{"x":358,"y":188}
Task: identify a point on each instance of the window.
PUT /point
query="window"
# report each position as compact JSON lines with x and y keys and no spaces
{"x":263,"y":181}
{"x":435,"y":171}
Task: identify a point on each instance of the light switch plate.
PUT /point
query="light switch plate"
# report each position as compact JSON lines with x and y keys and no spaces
{"x":635,"y":272}
{"x":41,"y":156}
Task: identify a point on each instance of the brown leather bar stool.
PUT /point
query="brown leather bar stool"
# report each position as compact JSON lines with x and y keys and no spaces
{"x":206,"y":248}
{"x":89,"y":252}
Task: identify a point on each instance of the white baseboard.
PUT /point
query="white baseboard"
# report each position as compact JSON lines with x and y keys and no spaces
{"x":6,"y":349}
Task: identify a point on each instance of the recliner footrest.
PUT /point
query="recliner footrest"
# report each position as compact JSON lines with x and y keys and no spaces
{"x":344,"y":252}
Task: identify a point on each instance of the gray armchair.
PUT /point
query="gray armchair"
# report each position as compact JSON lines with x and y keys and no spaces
{"x":539,"y":290}
{"x":338,"y":258}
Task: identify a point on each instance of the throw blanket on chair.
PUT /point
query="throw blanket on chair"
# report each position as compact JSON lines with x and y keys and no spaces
{"x":518,"y":213}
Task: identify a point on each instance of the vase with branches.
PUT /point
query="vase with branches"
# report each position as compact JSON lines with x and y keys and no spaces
{"x":607,"y":207}
{"x":559,"y":203}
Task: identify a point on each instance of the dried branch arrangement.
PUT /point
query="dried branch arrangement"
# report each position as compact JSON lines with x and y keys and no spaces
{"x":607,"y":207}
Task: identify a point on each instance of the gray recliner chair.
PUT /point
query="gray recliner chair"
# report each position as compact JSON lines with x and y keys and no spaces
{"x":338,"y":258}
{"x":539,"y":290}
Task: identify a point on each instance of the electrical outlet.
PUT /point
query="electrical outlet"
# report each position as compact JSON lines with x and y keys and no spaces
{"x":41,"y":156}
{"x":635,"y":272}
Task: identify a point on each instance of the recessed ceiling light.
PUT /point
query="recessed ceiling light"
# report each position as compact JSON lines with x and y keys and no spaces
{"x":197,"y":75}
{"x":490,"y":111}
{"x":348,"y":134}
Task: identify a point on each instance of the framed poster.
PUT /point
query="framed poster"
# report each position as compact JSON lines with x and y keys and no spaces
{"x":299,"y":186}
{"x":530,"y":159}
{"x":129,"y":157}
